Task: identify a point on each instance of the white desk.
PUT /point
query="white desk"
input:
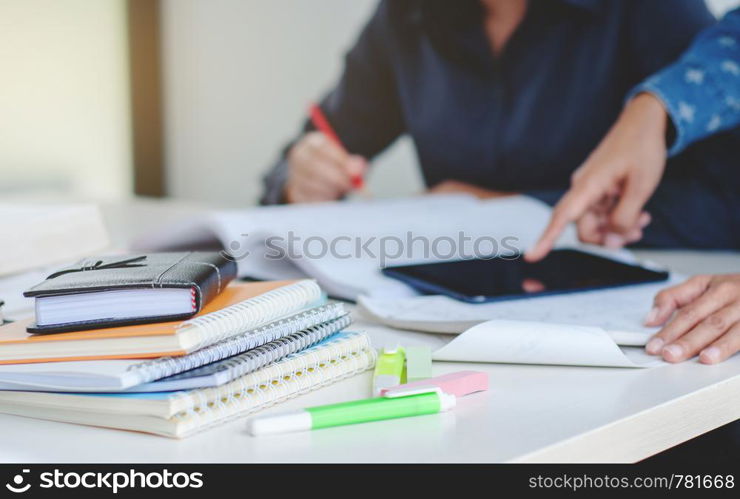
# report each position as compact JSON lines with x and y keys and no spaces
{"x":531,"y":413}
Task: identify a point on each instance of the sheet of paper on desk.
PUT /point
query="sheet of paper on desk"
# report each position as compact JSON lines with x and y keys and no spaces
{"x":12,"y":287}
{"x":618,"y":311}
{"x":340,"y":244}
{"x":526,"y":342}
{"x":35,"y":235}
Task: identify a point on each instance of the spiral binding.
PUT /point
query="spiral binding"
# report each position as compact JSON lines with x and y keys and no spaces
{"x":342,"y":356}
{"x":251,"y":360}
{"x":253,"y":312}
{"x":236,"y":407}
{"x":169,"y":366}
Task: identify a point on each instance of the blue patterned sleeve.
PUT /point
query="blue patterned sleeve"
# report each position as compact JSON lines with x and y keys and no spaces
{"x":701,"y":91}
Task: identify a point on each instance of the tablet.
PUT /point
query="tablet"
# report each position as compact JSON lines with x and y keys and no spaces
{"x":511,"y":277}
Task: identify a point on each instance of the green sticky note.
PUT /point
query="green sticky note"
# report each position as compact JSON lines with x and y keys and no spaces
{"x":418,"y":363}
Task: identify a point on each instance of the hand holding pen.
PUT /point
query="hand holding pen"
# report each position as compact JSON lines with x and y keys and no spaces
{"x":319,"y":166}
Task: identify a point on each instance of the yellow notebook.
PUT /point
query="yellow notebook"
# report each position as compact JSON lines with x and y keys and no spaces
{"x":240,"y":307}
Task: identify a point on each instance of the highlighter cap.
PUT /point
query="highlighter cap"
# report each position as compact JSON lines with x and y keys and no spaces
{"x":446,"y":400}
{"x":280,"y":423}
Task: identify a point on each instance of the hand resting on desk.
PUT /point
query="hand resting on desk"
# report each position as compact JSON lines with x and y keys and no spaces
{"x":706,"y":320}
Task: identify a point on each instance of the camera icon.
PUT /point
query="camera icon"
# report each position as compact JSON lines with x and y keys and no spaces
{"x":235,"y":250}
{"x":16,"y":485}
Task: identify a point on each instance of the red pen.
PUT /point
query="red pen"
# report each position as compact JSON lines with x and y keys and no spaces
{"x":319,"y":120}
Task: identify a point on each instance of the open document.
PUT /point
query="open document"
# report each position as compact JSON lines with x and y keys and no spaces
{"x":591,"y":328}
{"x":343,"y":245}
{"x":618,"y":311}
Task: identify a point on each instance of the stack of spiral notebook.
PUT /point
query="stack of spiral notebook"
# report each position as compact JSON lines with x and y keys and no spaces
{"x":251,"y":346}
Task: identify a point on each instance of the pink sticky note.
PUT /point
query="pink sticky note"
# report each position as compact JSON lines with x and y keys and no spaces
{"x":460,"y":383}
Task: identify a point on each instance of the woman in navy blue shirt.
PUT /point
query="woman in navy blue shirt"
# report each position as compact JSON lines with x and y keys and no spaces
{"x":511,"y":96}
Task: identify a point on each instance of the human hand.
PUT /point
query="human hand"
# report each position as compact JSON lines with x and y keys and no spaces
{"x":707,"y":319}
{"x":608,"y":192}
{"x":320,"y":170}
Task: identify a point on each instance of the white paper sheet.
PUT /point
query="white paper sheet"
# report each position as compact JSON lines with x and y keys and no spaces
{"x":618,"y":311}
{"x":35,"y":235}
{"x":528,"y":342}
{"x":424,"y":218}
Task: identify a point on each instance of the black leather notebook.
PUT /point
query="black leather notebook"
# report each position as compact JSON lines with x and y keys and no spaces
{"x":129,"y":289}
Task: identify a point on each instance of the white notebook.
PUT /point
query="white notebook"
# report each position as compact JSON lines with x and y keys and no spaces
{"x":140,"y":375}
{"x":114,"y":305}
{"x":181,"y":414}
{"x":324,"y":234}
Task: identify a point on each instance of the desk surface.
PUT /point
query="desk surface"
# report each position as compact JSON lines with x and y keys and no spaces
{"x":531,"y":413}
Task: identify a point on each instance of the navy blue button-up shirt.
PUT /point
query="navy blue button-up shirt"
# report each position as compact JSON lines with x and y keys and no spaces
{"x":525,"y":120}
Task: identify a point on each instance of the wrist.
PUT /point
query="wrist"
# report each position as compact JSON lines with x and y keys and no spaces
{"x":286,"y":195}
{"x":649,"y":110}
{"x":647,"y":115}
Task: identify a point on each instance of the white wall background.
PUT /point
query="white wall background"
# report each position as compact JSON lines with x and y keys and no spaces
{"x":238,"y":77}
{"x":64,"y":99}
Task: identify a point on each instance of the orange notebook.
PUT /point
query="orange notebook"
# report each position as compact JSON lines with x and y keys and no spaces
{"x":239,"y":308}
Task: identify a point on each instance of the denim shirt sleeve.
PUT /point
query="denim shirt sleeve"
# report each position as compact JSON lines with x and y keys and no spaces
{"x":701,"y":91}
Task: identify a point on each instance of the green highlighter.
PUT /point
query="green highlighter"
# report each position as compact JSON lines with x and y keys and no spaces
{"x":425,"y":401}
